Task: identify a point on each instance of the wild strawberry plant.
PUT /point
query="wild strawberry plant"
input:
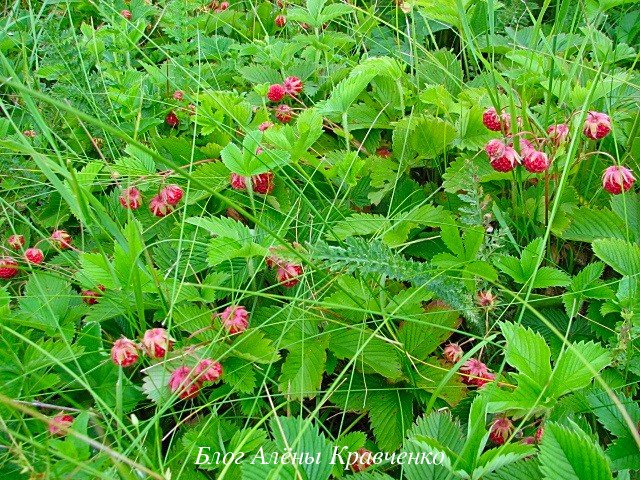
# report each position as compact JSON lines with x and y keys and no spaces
{"x":320,"y":239}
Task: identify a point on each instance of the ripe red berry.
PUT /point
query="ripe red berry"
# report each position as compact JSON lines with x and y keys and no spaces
{"x":617,"y":179}
{"x":235,"y":319}
{"x":125,"y":14}
{"x":34,"y":255}
{"x":208,"y":370}
{"x":159,"y":206}
{"x":284,"y":113}
{"x":8,"y":267}
{"x":59,"y":424}
{"x":475,"y":373}
{"x":276,"y":92}
{"x":182,"y":383}
{"x":238,"y":182}
{"x":90,"y":297}
{"x":172,"y":194}
{"x":361,"y":460}
{"x":265,"y":126}
{"x":535,"y":161}
{"x":262,"y":183}
{"x":178,"y":95}
{"x":492,"y":120}
{"x":61,"y":238}
{"x":280,"y":21}
{"x":383,"y":152}
{"x":156,"y":342}
{"x":293,"y":86}
{"x":124,"y":352}
{"x":130,"y":198}
{"x":16,"y":241}
{"x":172,"y":119}
{"x":507,"y":161}
{"x":500,"y":431}
{"x":597,"y":125}
{"x":288,"y":274}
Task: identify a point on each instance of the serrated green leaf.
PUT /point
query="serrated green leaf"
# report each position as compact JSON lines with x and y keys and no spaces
{"x":569,"y":454}
{"x":622,"y":256}
{"x":577,"y":366}
{"x":302,"y":370}
{"x":527,"y":351}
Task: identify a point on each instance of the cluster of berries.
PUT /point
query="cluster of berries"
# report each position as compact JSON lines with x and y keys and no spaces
{"x":172,"y":119}
{"x":287,"y":273}
{"x":218,"y":7}
{"x":474,"y":372}
{"x":155,"y":343}
{"x":184,"y":381}
{"x":160,"y":205}
{"x":292,"y":87}
{"x":9,"y":266}
{"x":504,"y":157}
{"x":261,"y":183}
{"x":502,"y":429}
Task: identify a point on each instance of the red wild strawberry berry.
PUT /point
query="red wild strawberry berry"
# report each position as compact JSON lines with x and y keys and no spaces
{"x":235,"y":319}
{"x":486,"y":299}
{"x":8,"y":267}
{"x":178,"y":95}
{"x":124,"y":352}
{"x":156,"y":342}
{"x":507,"y":162}
{"x":90,"y":297}
{"x":172,"y":194}
{"x":597,"y":125}
{"x":159,"y":206}
{"x":126,"y":14}
{"x":262,"y":183}
{"x":265,"y":126}
{"x":284,"y":113}
{"x":223,"y":6}
{"x":360,"y":460}
{"x":492,"y":120}
{"x":61,"y":238}
{"x":288,"y":274}
{"x":130,"y":198}
{"x":535,"y":161}
{"x":280,"y":21}
{"x":453,"y":353}
{"x":276,"y":92}
{"x":34,"y":255}
{"x":293,"y":86}
{"x":238,"y":182}
{"x":617,"y":179}
{"x":383,"y":152}
{"x":172,"y":119}
{"x":208,"y":370}
{"x":59,"y":425}
{"x":182,"y":383}
{"x":16,"y":241}
{"x":474,"y":372}
{"x":500,"y":431}
{"x":558,"y":133}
